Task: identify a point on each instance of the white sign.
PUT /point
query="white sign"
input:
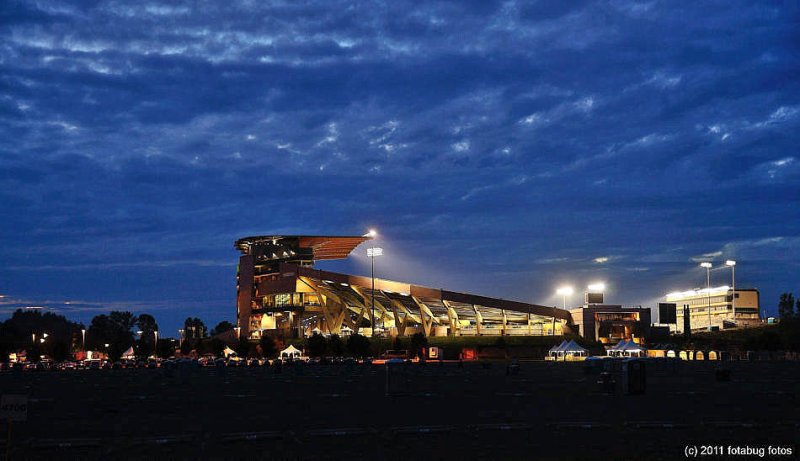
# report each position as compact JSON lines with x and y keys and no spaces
{"x":14,"y":407}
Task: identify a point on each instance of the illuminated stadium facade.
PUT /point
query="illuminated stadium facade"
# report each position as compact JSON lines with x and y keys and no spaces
{"x":280,"y":293}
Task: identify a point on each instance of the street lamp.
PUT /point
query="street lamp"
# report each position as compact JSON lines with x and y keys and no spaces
{"x":372,"y":253}
{"x":155,"y":345}
{"x":83,"y":338}
{"x":238,"y":330}
{"x":564,"y":292}
{"x":708,"y":266}
{"x":732,"y":264}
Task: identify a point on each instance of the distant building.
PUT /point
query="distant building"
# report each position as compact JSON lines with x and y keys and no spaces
{"x":611,"y":323}
{"x":717,"y":303}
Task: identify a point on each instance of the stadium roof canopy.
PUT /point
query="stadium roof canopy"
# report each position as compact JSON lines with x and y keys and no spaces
{"x":322,"y":247}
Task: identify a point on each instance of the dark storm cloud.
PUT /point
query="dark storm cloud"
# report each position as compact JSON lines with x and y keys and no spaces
{"x":517,"y":145}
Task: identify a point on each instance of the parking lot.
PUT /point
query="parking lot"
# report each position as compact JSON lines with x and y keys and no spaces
{"x":478,"y":411}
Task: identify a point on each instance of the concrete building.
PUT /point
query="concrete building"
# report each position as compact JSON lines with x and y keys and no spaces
{"x":715,"y":307}
{"x":609,"y":323}
{"x":280,"y":293}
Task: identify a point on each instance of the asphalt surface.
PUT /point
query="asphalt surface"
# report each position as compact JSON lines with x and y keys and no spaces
{"x":546,"y":411}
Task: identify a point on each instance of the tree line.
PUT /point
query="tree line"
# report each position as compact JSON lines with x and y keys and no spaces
{"x":53,"y":335}
{"x":788,"y":308}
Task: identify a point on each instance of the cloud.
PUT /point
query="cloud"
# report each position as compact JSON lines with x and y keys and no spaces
{"x":144,"y":138}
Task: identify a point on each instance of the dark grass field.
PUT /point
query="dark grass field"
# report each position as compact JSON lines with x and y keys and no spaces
{"x":547,"y":411}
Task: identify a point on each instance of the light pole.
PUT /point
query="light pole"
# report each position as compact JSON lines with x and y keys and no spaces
{"x":732,"y":264}
{"x":238,"y":330}
{"x":708,"y":266}
{"x":564,"y":292}
{"x":372,"y":253}
{"x":155,"y":345}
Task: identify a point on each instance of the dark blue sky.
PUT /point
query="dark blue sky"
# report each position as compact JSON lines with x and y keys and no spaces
{"x":501,"y":149}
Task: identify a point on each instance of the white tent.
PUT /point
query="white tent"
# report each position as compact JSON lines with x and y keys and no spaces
{"x":291,"y":352}
{"x":631,"y":349}
{"x":129,"y":354}
{"x":617,"y":349}
{"x":556,"y":349}
{"x":574,"y":348}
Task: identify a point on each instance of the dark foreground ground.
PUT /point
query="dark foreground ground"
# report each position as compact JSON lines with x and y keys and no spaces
{"x":547,"y":411}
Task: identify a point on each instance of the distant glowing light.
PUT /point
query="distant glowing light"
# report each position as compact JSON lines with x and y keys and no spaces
{"x":371,"y":234}
{"x":601,"y":260}
{"x":372,"y":252}
{"x":691,"y":293}
{"x":730,"y":262}
{"x":707,"y":265}
{"x":34,"y":307}
{"x":565,"y":291}
{"x":597,"y":287}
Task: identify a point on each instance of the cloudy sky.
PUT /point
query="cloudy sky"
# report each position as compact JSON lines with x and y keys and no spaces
{"x":500,"y":148}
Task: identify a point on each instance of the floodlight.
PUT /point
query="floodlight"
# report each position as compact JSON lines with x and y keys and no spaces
{"x":371,"y":234}
{"x":730,"y":262}
{"x":597,"y":287}
{"x":376,"y":251}
{"x":565,"y":291}
{"x":707,"y":265}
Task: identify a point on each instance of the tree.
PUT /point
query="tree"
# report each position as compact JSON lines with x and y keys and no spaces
{"x":194,"y":328}
{"x":186,"y":347}
{"x":418,"y":342}
{"x":124,"y":320}
{"x":268,"y":348}
{"x":243,"y":347}
{"x":148,"y":326}
{"x":17,"y":333}
{"x":786,"y":306}
{"x":316,"y":345}
{"x":213,"y":346}
{"x":222,"y":327}
{"x":336,"y":345}
{"x":358,"y":345}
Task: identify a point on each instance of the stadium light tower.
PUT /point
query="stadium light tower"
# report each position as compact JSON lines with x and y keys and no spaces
{"x":732,"y":264}
{"x":708,"y":266}
{"x":83,"y":338}
{"x":372,"y":253}
{"x":564,"y":292}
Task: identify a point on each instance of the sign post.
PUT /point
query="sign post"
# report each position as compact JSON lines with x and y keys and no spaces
{"x":13,"y":407}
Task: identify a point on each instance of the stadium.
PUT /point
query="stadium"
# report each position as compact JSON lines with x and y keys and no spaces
{"x":280,"y":292}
